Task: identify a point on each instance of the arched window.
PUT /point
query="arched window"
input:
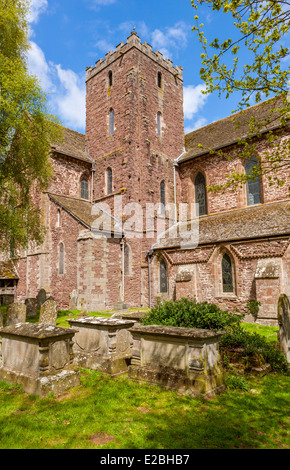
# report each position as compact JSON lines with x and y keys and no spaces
{"x":109,"y":182}
{"x":159,"y":124}
{"x":61,"y":258}
{"x":111,"y":122}
{"x":162,"y":197}
{"x":227,"y":274}
{"x":159,"y":79}
{"x":110,"y":78}
{"x":253,"y":185}
{"x":200,"y":193}
{"x":84,"y":189}
{"x":126,"y":259}
{"x":163,"y":276}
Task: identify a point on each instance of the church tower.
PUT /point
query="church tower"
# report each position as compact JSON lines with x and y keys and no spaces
{"x":134,"y":131}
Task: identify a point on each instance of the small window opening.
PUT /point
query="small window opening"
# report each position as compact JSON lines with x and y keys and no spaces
{"x":84,"y":189}
{"x":254,"y":184}
{"x":159,"y":124}
{"x":159,"y":79}
{"x":162,"y":197}
{"x":163,"y":276}
{"x":110,"y":78}
{"x":61,"y":258}
{"x":227,"y":274}
{"x":111,"y":122}
{"x":200,"y":194}
{"x":109,"y":181}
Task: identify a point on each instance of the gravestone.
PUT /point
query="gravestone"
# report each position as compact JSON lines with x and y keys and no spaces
{"x":48,"y":312}
{"x":73,"y":300}
{"x":16,"y":313}
{"x":284,"y":325}
{"x":41,"y":298}
{"x":31,"y":305}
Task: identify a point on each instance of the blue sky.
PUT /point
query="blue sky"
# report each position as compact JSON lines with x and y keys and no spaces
{"x":69,"y":35}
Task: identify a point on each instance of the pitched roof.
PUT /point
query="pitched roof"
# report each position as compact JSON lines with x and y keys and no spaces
{"x":263,"y":220}
{"x":73,"y":144}
{"x":231,"y":129}
{"x":87,"y":214}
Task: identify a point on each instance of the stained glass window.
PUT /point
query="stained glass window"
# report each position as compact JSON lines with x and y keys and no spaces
{"x":84,"y":189}
{"x":163,"y":276}
{"x":253,"y":185}
{"x":227,"y":274}
{"x":200,"y":193}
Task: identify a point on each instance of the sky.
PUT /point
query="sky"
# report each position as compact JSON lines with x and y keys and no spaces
{"x":66,"y":36}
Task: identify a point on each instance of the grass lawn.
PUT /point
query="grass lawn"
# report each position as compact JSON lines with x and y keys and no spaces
{"x":117,"y":413}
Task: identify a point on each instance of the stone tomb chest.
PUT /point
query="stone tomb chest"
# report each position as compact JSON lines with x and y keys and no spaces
{"x":182,"y":359}
{"x":39,"y":357}
{"x":103,"y":344}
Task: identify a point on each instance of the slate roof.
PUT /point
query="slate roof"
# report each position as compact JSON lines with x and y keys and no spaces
{"x":85,"y":212}
{"x":225,"y":132}
{"x":263,"y":220}
{"x":73,"y":145}
{"x":7,"y":270}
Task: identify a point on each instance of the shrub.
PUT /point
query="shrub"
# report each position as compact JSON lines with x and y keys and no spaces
{"x":191,"y":314}
{"x":252,"y":346}
{"x":237,"y":382}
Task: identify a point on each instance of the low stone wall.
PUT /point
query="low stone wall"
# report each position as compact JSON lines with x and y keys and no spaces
{"x":39,"y":357}
{"x":103,"y":344}
{"x":182,"y":359}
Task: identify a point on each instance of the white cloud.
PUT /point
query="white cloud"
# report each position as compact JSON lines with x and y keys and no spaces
{"x":173,"y":38}
{"x":104,"y":45}
{"x":193,"y":100}
{"x":70,"y":101}
{"x":201,"y":122}
{"x":65,"y":89}
{"x":36,"y":8}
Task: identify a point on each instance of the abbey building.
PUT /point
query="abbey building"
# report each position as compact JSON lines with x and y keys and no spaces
{"x":103,"y":249}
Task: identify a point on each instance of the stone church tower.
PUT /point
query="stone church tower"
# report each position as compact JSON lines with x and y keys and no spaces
{"x":134,"y":131}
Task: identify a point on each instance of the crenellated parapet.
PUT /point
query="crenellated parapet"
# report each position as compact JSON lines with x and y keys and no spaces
{"x":134,"y":41}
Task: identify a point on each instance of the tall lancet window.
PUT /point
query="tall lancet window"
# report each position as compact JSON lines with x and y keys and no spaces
{"x":227,"y":273}
{"x":200,"y":193}
{"x":253,"y":185}
{"x":159,"y":124}
{"x":162,"y":197}
{"x":163,"y":276}
{"x":84,"y":189}
{"x":111,"y":122}
{"x":109,"y":182}
{"x":61,"y":258}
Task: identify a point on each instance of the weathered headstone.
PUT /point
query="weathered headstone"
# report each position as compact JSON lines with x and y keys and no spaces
{"x":284,"y":325}
{"x":16,"y":313}
{"x":48,"y":312}
{"x":31,"y":305}
{"x":73,"y":300}
{"x":41,"y":298}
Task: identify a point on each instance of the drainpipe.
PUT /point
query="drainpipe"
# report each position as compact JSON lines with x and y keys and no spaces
{"x":123,"y":266}
{"x":175,"y":165}
{"x":149,"y":255}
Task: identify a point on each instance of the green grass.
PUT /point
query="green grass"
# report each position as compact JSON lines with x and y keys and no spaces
{"x":117,"y":413}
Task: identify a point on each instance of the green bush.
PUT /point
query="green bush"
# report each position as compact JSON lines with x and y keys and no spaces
{"x":191,"y":314}
{"x":236,"y":382}
{"x":253,"y":346}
